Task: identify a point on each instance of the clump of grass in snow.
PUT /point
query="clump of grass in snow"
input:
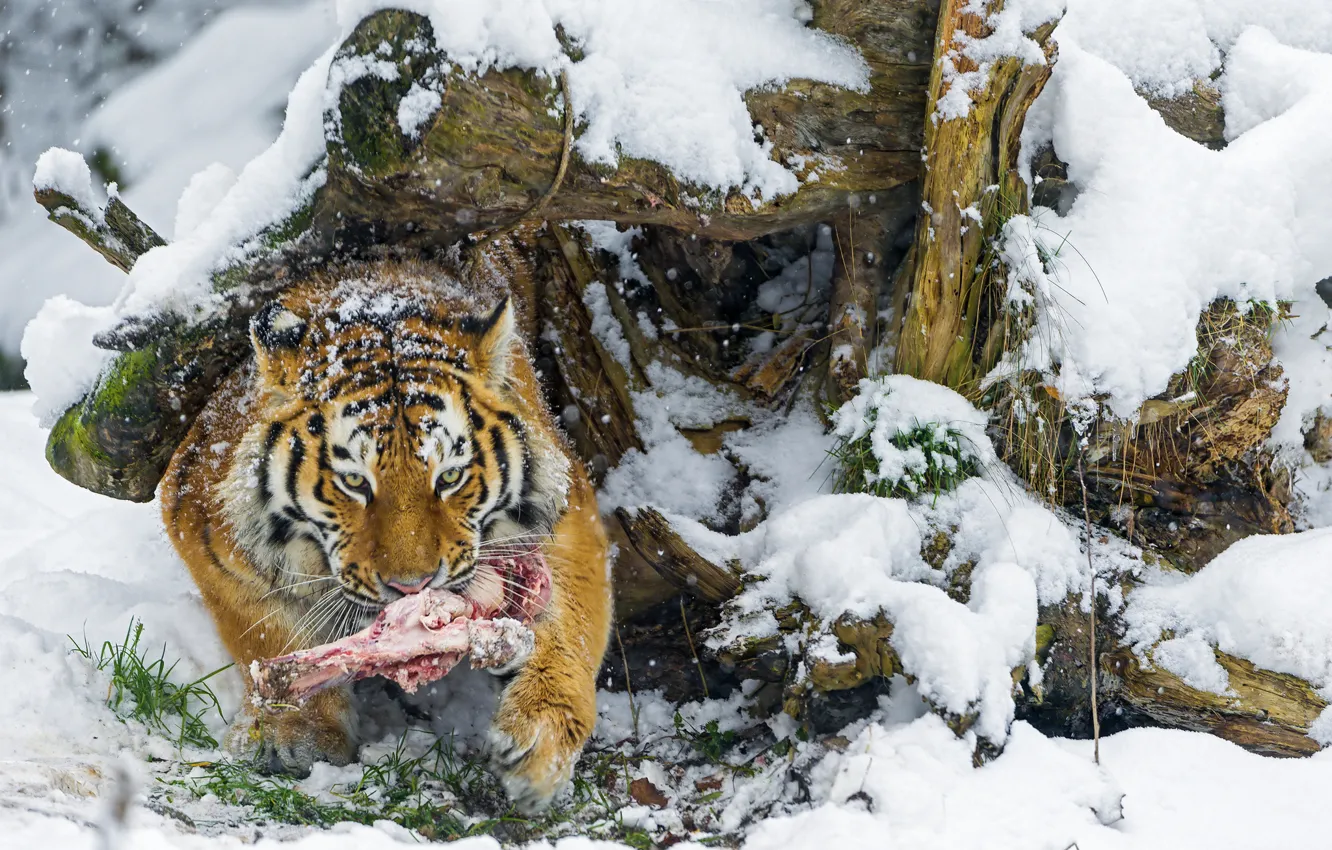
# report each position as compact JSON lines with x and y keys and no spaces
{"x":421,"y":793}
{"x":903,"y":437}
{"x":944,"y":464}
{"x":710,"y":741}
{"x":440,"y":794}
{"x":141,"y":689}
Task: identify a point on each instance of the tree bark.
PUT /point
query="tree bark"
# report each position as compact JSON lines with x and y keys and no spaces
{"x":483,"y":163}
{"x":1266,"y":712}
{"x":970,"y":187}
{"x":115,"y":232}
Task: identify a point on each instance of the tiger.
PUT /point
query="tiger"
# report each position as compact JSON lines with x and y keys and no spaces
{"x":388,"y":428}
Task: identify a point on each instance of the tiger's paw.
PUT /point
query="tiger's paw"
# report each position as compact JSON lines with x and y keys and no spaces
{"x":289,"y":742}
{"x":533,"y":752}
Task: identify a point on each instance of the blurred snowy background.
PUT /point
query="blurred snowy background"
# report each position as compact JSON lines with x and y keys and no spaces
{"x":151,"y":92}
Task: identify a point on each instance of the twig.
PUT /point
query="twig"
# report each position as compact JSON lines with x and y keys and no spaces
{"x":690,"y":638}
{"x":566,"y":150}
{"x":114,"y":231}
{"x":633,"y":709}
{"x":1091,"y":569}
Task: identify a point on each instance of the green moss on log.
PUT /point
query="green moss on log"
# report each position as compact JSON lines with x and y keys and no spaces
{"x":369,"y":138}
{"x":87,"y":445}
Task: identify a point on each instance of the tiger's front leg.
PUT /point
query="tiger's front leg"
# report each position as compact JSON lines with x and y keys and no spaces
{"x":255,"y":624}
{"x":548,"y":710}
{"x":287,"y":740}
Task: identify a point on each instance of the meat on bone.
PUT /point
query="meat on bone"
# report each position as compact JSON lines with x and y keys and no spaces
{"x":422,"y":636}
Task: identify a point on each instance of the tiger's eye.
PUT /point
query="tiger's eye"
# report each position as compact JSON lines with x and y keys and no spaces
{"x":354,"y":480}
{"x":450,"y":476}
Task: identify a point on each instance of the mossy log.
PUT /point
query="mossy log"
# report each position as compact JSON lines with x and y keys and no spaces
{"x":970,"y":186}
{"x":115,"y":231}
{"x":485,"y":161}
{"x":1265,"y":711}
{"x":492,"y":150}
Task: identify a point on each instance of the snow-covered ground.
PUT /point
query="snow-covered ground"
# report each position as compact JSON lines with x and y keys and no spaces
{"x":74,"y":564}
{"x":1161,"y":227}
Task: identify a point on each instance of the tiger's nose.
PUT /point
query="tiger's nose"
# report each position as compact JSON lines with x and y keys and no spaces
{"x":408,"y":587}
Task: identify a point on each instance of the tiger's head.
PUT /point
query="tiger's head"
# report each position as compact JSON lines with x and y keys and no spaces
{"x":394,"y":449}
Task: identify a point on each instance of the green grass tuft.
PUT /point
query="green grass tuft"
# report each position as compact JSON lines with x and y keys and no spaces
{"x":141,"y":689}
{"x":425,"y":793}
{"x":710,"y":741}
{"x":947,"y":463}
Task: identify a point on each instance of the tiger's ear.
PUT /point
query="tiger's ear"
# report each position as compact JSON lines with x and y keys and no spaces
{"x":276,"y":334}
{"x":498,"y":345}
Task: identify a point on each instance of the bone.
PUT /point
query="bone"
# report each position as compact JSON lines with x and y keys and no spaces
{"x":421,"y":637}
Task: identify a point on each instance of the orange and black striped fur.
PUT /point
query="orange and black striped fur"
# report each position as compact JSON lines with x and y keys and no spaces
{"x":388,"y":430}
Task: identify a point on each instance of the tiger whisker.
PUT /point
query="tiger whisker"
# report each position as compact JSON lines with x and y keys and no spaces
{"x":327,"y":602}
{"x":295,"y":585}
{"x":260,"y":620}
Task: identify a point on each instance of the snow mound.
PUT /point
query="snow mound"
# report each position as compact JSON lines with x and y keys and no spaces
{"x":919,"y":431}
{"x":1265,"y":598}
{"x":1162,"y":226}
{"x":862,"y":555}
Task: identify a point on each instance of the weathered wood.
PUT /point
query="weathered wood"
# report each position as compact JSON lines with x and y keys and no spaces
{"x":859,"y":275}
{"x":485,"y":161}
{"x":966,"y":158}
{"x":653,"y":538}
{"x":1266,"y":712}
{"x":115,"y":232}
{"x":1197,"y":114}
{"x":492,"y":150}
{"x":1269,"y":713}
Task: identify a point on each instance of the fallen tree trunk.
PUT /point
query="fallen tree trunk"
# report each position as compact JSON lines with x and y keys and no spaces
{"x":486,"y":160}
{"x":485,"y":169}
{"x":1267,"y":712}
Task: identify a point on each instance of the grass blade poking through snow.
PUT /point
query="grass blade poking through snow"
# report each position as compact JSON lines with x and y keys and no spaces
{"x":141,"y":689}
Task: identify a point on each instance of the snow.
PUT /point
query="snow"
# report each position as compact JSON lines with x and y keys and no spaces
{"x":66,"y":172}
{"x":798,"y":294}
{"x":1163,"y":46}
{"x":669,"y":473}
{"x":1265,"y":599}
{"x":63,"y":363}
{"x":1116,"y":312}
{"x":1301,"y":346}
{"x":201,"y":196}
{"x":661,"y":81}
{"x":417,"y":107}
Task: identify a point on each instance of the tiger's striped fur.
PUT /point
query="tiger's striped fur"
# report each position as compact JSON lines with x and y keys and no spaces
{"x":389,"y":430}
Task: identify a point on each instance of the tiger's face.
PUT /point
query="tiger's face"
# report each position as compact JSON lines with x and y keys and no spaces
{"x":395,"y":455}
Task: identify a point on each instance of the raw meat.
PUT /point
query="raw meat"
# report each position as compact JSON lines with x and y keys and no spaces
{"x":421,"y":637}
